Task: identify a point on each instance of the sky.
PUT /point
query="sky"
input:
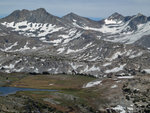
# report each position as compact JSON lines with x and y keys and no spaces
{"x":94,"y":9}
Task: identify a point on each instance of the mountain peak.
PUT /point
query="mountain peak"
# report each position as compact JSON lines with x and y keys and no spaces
{"x":41,"y":10}
{"x":116,"y":16}
{"x":38,"y":16}
{"x":71,"y":14}
{"x":116,"y":13}
{"x":139,"y":14}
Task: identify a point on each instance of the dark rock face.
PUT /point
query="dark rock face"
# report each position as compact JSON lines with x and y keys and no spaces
{"x":144,"y":41}
{"x":116,"y":16}
{"x":148,"y":18}
{"x":136,"y":20}
{"x":36,"y":16}
{"x":127,"y":18}
{"x":80,"y":21}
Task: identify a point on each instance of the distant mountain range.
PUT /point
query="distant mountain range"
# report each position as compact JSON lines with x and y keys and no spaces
{"x":37,"y":41}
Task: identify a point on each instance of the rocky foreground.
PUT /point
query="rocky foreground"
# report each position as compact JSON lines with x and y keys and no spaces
{"x":77,"y":94}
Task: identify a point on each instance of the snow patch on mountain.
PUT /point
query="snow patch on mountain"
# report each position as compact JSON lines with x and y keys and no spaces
{"x":78,"y":50}
{"x":18,"y":70}
{"x":48,"y":29}
{"x":72,"y":36}
{"x":111,"y":21}
{"x":61,"y":50}
{"x":132,"y":37}
{"x":147,"y":70}
{"x":64,"y":36}
{"x":75,"y":66}
{"x":136,"y":55}
{"x":120,"y":109}
{"x":114,"y":86}
{"x":24,"y":27}
{"x":107,"y":64}
{"x":90,"y":69}
{"x":126,"y":77}
{"x":57,"y":41}
{"x":10,"y":47}
{"x":94,"y":68}
{"x":116,"y":69}
{"x":92,"y":84}
{"x":11,"y":66}
{"x":114,"y":56}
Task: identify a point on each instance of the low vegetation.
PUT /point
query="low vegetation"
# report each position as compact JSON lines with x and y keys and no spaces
{"x":70,"y":96}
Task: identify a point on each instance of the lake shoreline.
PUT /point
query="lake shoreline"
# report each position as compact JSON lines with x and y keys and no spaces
{"x":5,"y":91}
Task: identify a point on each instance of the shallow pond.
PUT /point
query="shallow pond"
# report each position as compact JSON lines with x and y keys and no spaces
{"x":4,"y":91}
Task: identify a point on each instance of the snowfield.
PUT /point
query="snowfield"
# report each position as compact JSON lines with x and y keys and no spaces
{"x":120,"y":109}
{"x":116,"y":69}
{"x":24,"y":27}
{"x":92,"y":84}
{"x":126,"y":77}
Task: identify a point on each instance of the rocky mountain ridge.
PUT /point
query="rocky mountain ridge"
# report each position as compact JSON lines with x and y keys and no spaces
{"x":36,"y":41}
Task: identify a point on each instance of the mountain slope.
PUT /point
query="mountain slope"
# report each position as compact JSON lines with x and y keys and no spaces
{"x":37,"y":16}
{"x":36,"y":41}
{"x":79,"y":21}
{"x":116,"y":28}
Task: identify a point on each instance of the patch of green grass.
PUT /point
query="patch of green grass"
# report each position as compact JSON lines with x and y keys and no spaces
{"x":7,"y":79}
{"x":53,"y":82}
